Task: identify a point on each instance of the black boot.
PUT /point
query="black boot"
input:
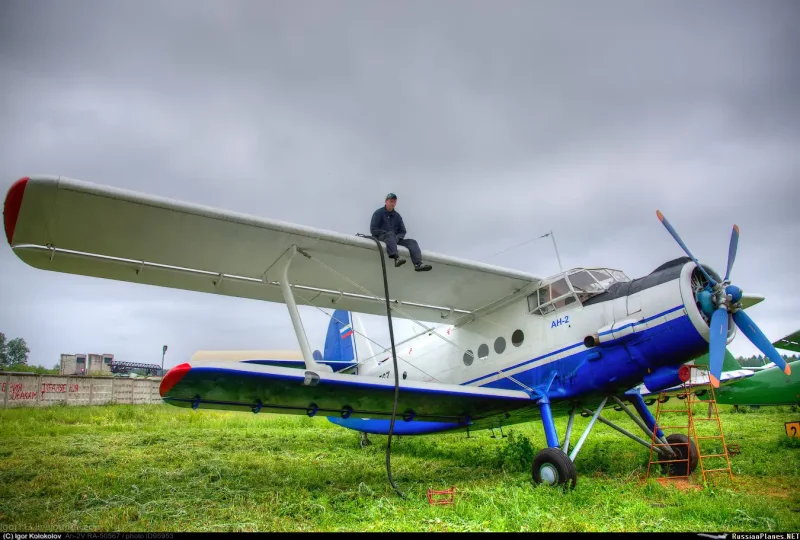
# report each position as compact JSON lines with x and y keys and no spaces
{"x":422,"y":267}
{"x":399,"y":261}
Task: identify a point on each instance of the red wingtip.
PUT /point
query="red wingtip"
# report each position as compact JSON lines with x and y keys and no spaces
{"x":172,"y":378}
{"x":736,"y":228}
{"x":12,"y":206}
{"x":660,"y":215}
{"x":714,"y":381}
{"x":787,"y":370}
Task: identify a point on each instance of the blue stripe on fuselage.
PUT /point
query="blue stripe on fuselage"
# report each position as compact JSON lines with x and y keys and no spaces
{"x":619,"y":367}
{"x":579,"y":344}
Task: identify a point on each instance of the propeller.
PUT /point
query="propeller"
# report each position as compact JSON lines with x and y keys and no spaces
{"x":717,"y":300}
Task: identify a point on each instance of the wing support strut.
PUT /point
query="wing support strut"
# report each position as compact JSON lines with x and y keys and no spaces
{"x":291,"y":305}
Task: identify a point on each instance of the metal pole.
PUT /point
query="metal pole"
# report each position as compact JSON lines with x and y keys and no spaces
{"x":553,"y":236}
{"x":163,"y":352}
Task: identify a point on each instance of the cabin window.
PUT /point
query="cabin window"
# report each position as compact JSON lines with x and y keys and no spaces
{"x":517,"y":337}
{"x":499,"y":345}
{"x":483,"y":351}
{"x":469,"y":356}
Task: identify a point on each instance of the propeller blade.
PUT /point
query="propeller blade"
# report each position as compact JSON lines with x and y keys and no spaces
{"x":680,"y":243}
{"x":732,"y":250}
{"x":757,"y":338}
{"x":719,"y":338}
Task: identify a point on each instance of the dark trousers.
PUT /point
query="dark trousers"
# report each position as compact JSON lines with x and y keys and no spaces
{"x":391,"y":247}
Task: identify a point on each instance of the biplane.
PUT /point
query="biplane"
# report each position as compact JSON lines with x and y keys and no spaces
{"x":496,"y":346}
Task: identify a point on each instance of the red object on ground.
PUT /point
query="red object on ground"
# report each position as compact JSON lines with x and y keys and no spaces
{"x":448,"y":496}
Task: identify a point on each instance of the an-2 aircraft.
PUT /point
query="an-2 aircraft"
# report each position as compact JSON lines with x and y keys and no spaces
{"x":511,"y":346}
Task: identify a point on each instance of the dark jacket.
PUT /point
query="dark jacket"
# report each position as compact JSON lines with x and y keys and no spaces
{"x":384,"y":221}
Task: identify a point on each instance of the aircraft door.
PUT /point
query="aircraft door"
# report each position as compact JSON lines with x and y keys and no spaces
{"x":634,"y":304}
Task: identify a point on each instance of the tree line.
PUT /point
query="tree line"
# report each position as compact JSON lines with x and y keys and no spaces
{"x":14,"y":352}
{"x":759,"y":360}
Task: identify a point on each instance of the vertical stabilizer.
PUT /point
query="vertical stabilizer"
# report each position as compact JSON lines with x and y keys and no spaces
{"x":339,"y":352}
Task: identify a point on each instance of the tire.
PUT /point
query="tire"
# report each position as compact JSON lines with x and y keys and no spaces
{"x":678,"y":442}
{"x":551,"y":466}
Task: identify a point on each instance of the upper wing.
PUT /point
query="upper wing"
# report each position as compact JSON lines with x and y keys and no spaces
{"x":790,"y":342}
{"x":65,"y":225}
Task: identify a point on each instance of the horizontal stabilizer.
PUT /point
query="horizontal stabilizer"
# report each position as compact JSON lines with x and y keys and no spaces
{"x":790,"y":342}
{"x":697,"y":379}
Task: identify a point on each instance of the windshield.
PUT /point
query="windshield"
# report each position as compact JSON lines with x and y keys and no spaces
{"x":583,"y":281}
{"x":578,"y":284}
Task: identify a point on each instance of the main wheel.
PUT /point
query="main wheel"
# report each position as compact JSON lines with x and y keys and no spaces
{"x":551,"y":466}
{"x":677,"y":443}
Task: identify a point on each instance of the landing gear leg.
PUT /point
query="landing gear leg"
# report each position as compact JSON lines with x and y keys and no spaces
{"x":551,"y":465}
{"x":364,"y":440}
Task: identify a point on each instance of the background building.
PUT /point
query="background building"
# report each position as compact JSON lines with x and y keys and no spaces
{"x":86,"y":364}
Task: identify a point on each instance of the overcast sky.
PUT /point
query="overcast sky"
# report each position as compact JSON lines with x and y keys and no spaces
{"x":493,"y":121}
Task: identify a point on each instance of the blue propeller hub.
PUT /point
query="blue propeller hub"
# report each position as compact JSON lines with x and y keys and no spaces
{"x":706,"y":300}
{"x":734,"y":292}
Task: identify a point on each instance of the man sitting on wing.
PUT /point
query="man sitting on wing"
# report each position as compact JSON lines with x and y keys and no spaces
{"x":387,"y":226}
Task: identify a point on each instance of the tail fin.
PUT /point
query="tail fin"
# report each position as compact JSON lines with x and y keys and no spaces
{"x":339,"y":352}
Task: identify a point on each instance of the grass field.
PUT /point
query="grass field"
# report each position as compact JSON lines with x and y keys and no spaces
{"x":160,"y":468}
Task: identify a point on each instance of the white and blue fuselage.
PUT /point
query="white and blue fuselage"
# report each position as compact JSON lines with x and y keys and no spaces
{"x":587,"y":342}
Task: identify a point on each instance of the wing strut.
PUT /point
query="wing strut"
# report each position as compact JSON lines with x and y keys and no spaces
{"x":295,"y":314}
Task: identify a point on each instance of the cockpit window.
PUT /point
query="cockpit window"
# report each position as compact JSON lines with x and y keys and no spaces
{"x":573,"y":286}
{"x":544,"y":295}
{"x":559,"y":288}
{"x":601,"y":275}
{"x":584,"y":282}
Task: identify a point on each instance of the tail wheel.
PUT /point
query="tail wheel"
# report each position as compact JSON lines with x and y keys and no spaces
{"x":553,"y":467}
{"x":677,"y":442}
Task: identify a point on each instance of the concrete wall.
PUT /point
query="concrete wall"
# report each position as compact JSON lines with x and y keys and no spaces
{"x":30,"y":390}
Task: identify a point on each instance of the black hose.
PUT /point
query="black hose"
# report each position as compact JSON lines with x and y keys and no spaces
{"x":394,"y":360}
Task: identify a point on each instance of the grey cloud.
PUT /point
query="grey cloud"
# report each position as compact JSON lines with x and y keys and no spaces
{"x":494,"y":123}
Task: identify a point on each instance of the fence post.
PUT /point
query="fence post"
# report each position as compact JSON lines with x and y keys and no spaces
{"x":8,"y":387}
{"x":91,"y":389}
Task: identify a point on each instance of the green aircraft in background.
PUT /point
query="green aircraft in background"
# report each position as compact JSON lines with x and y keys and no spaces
{"x":769,"y":385}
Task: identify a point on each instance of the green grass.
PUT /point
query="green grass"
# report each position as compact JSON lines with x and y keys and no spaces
{"x":160,"y":468}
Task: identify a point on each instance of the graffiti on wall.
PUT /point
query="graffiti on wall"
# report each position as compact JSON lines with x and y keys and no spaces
{"x":17,"y":392}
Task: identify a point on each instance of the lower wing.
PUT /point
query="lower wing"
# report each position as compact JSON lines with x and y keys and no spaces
{"x":270,"y":388}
